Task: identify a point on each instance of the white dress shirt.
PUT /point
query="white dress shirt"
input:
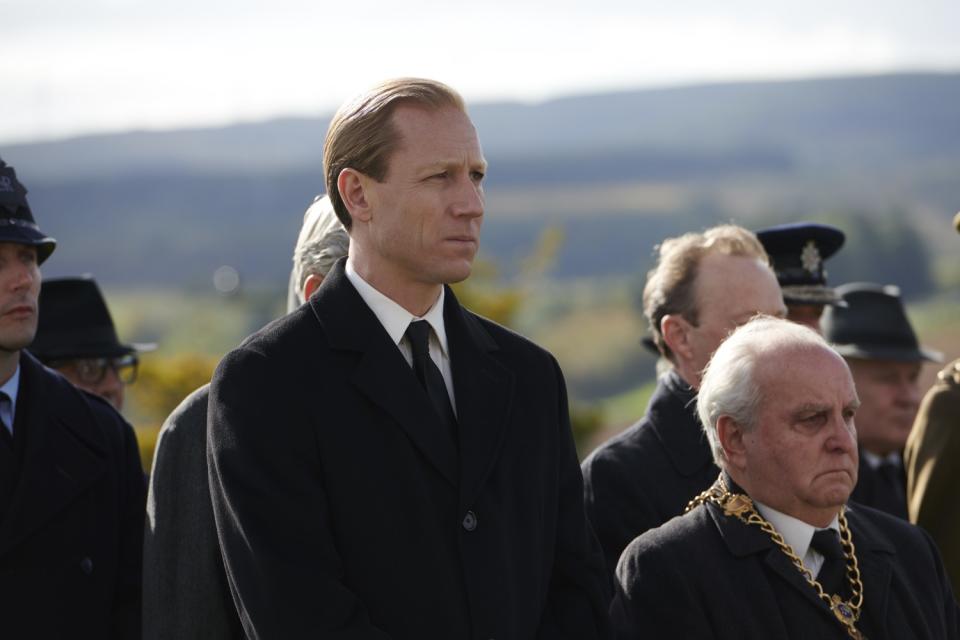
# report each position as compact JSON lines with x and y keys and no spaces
{"x":8,"y":410}
{"x":875,"y":461}
{"x":798,"y":534}
{"x":395,"y":320}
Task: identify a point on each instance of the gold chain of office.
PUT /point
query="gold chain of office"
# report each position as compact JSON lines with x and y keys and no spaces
{"x":741,"y":506}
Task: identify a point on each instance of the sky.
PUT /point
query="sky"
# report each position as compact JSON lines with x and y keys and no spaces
{"x":75,"y":67}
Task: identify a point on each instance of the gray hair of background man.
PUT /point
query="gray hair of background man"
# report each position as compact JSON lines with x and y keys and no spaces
{"x":362,"y":137}
{"x":729,"y":387}
{"x":670,"y":287}
{"x":322,"y":241}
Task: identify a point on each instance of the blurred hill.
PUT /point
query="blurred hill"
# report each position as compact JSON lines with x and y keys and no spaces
{"x":617,"y":172}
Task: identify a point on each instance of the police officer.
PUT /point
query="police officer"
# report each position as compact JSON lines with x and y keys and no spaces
{"x":797,"y":252}
{"x":71,"y":485}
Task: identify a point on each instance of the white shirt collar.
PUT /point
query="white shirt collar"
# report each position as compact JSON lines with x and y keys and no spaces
{"x":796,"y":533}
{"x":875,"y":461}
{"x":11,"y":387}
{"x":394,"y":318}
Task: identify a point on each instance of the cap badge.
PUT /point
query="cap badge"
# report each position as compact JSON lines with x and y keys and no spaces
{"x":6,"y":184}
{"x":810,"y":257}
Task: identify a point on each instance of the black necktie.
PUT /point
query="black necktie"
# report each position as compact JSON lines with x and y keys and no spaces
{"x":418,"y":333}
{"x":833,"y":573}
{"x":6,"y":433}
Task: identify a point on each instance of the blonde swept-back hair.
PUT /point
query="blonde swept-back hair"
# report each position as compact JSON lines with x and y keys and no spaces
{"x":362,"y":137}
{"x":670,"y":284}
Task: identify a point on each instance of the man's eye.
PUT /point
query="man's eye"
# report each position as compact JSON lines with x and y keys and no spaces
{"x":439,"y":176}
{"x":477,"y":176}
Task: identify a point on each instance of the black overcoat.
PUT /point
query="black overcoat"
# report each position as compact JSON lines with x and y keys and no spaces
{"x":707,"y":575}
{"x":646,"y":475}
{"x":345,"y":510}
{"x":70,"y":543}
{"x":874,"y":490}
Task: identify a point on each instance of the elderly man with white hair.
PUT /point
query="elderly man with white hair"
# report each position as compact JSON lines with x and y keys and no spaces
{"x":772,"y":550}
{"x":184,"y":584}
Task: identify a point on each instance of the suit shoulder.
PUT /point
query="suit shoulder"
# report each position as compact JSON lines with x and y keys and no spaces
{"x":682,"y":536}
{"x":190,"y":414}
{"x":623,"y":450}
{"x":281,"y":334}
{"x":507,"y":338}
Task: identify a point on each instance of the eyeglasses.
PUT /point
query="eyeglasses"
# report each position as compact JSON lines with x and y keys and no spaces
{"x":94,"y":370}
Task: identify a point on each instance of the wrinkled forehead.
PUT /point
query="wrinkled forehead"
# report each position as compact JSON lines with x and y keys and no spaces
{"x":788,"y":370}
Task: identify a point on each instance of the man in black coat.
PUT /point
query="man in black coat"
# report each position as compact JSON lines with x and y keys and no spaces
{"x":71,"y":485}
{"x":771,"y":550}
{"x":384,"y":463}
{"x":874,"y":335}
{"x":704,"y":285}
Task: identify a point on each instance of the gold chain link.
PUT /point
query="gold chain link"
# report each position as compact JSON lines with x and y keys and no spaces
{"x":847,"y":612}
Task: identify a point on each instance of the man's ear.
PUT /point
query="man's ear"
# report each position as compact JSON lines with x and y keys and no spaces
{"x":675,"y":331}
{"x":730,"y":434}
{"x":310,"y":285}
{"x":354,"y":188}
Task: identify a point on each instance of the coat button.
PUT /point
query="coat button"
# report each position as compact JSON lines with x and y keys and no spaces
{"x":470,"y":521}
{"x":86,"y":565}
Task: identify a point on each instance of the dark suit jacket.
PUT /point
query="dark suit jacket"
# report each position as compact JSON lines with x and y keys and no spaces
{"x":345,"y":510}
{"x":71,"y":538}
{"x":185,"y":592}
{"x":707,"y":575}
{"x":874,"y":490}
{"x":647,"y":474}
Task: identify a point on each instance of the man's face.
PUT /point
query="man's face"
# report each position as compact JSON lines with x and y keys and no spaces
{"x":729,"y":290}
{"x":801,"y":456}
{"x":424,"y":226}
{"x":891,"y":397}
{"x":19,"y":290}
{"x":104,"y":377}
{"x":806,"y":314}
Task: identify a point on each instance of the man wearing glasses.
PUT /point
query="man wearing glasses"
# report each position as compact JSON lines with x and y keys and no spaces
{"x":76,"y":337}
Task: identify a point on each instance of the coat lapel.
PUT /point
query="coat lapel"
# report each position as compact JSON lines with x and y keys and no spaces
{"x":484,"y":391}
{"x":59,"y":461}
{"x":875,"y":555}
{"x":745,"y":540}
{"x":381,"y":373}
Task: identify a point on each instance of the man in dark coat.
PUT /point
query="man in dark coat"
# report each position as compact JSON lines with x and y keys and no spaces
{"x":771,"y":550}
{"x":185,"y":592}
{"x":383,"y":462}
{"x":872,"y":332}
{"x":71,"y":484}
{"x":797,"y":252}
{"x":704,"y":285}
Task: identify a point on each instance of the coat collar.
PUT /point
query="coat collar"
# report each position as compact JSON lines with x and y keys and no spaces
{"x":673,"y":416}
{"x":875,"y":556}
{"x":482,"y":386}
{"x":63,"y":454}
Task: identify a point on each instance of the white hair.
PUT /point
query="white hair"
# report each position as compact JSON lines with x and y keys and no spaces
{"x":322,"y":241}
{"x":729,"y":386}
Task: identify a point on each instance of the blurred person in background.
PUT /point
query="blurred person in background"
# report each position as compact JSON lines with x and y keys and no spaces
{"x":872,"y":332}
{"x":71,"y":484}
{"x":185,"y":592}
{"x":76,"y":336}
{"x":703,"y":286}
{"x":797,"y":252}
{"x":932,"y":459}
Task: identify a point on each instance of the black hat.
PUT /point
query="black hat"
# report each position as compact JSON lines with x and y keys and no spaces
{"x":16,"y":220}
{"x":873,"y":326}
{"x":797,"y":251}
{"x":75,"y":323}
